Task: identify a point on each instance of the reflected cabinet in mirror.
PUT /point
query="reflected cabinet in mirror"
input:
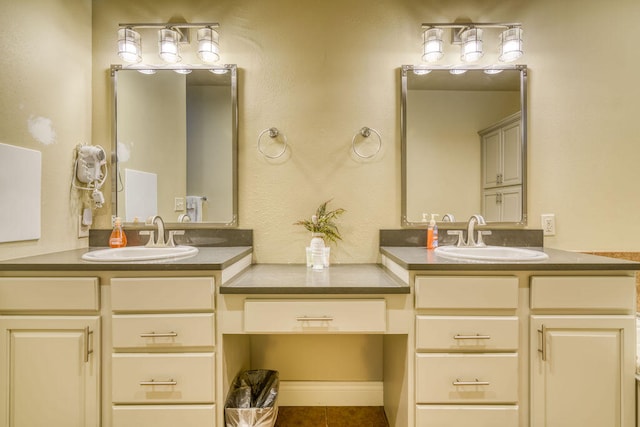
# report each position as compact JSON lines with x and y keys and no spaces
{"x":176,"y":145}
{"x":464,"y":144}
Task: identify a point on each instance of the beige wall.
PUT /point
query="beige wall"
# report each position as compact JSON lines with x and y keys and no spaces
{"x":46,"y":80}
{"x":321,"y":70}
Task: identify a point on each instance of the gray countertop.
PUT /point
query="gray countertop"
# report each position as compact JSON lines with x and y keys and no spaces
{"x":208,"y":258}
{"x":300,"y":279}
{"x":420,"y":258}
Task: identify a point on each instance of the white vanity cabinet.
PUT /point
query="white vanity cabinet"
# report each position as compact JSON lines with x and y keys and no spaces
{"x":582,"y":351}
{"x":49,"y":351}
{"x":163,"y":360}
{"x":466,"y":359}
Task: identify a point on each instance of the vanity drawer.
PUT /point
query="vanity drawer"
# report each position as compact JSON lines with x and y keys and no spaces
{"x":49,"y":294}
{"x":159,"y":294}
{"x":163,"y":331}
{"x":466,"y":292}
{"x":467,"y":415}
{"x":467,"y":378}
{"x":315,"y":316}
{"x":164,"y":415}
{"x":187,"y":378}
{"x":613,"y":294}
{"x":467,"y":333}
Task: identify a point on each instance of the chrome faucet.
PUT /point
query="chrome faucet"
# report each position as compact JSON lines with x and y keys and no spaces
{"x":471,"y":241}
{"x":448,"y":218}
{"x":156,"y":221}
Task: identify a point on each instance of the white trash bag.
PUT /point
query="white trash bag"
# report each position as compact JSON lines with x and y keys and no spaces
{"x":252,"y":398}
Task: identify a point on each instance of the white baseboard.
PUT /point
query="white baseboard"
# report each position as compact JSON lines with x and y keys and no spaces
{"x":330,"y":393}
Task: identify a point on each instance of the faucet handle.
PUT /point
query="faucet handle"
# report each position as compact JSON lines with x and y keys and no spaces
{"x":457,"y":233}
{"x":481,"y":233}
{"x":172,"y":233}
{"x":151,"y":242}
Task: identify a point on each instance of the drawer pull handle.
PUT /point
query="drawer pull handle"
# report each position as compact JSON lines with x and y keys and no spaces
{"x":154,"y":382}
{"x":471,"y":337}
{"x":476,"y":382}
{"x":159,"y":335}
{"x":543,"y":351}
{"x":314,"y":319}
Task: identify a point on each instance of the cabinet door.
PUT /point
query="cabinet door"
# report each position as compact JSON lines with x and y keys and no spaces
{"x":511,"y":155}
{"x":49,"y":371}
{"x":491,"y":207}
{"x":582,"y":371}
{"x":511,"y":204}
{"x":491,"y":159}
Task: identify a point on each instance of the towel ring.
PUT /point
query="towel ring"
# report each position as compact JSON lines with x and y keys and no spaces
{"x":273,"y":133}
{"x":365,"y":132}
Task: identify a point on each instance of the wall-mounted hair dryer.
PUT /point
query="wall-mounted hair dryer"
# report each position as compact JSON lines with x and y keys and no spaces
{"x":91,"y":171}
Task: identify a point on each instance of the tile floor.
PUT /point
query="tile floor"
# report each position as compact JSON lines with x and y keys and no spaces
{"x":331,"y":416}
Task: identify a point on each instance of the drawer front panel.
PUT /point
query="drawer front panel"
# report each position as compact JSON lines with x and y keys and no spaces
{"x":467,"y":333}
{"x":600,"y":294}
{"x":163,"y":378}
{"x":163,"y":331}
{"x":315,"y":316}
{"x":467,"y":415}
{"x":162,"y":294}
{"x":467,"y":378}
{"x":49,"y":294}
{"x":164,"y":416}
{"x":462,"y":292}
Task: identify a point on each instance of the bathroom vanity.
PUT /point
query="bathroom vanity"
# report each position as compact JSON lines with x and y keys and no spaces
{"x":440,"y":342}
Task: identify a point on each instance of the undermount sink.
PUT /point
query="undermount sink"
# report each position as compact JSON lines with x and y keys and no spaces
{"x":490,"y":253}
{"x":140,"y":253}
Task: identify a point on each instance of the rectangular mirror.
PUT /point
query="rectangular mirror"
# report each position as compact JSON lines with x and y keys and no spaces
{"x":464,"y":144}
{"x":176,"y":136}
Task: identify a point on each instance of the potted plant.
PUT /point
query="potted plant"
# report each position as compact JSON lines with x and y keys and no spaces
{"x":322,"y":226}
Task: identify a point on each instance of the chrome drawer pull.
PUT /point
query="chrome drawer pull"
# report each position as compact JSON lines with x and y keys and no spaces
{"x":314,"y":319}
{"x":154,"y":382}
{"x":476,"y":382}
{"x":472,"y":337}
{"x":159,"y":335}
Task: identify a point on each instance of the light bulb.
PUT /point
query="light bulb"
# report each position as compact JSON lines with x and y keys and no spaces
{"x":168,"y":45}
{"x":129,"y":46}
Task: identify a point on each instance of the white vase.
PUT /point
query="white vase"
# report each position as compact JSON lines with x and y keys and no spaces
{"x":317,"y":251}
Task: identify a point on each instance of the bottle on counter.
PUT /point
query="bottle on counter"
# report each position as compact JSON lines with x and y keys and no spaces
{"x":432,"y":233}
{"x":118,"y":238}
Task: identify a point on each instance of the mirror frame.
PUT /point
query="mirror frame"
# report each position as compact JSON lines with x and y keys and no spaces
{"x":405,"y":70}
{"x":231,"y":68}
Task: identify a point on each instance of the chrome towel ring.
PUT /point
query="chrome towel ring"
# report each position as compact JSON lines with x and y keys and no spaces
{"x":365,"y":132}
{"x":273,"y":134}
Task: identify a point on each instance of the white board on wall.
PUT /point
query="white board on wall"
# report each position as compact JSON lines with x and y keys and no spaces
{"x":20,"y":193}
{"x":141,"y":195}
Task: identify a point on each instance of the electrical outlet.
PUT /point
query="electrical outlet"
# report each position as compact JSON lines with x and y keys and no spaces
{"x":178,"y":204}
{"x":83,"y":230}
{"x":548,"y":224}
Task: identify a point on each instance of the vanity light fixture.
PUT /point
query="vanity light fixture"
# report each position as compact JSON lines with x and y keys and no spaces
{"x":208,"y":49}
{"x":172,"y":37}
{"x":168,"y":47}
{"x":469,"y":36}
{"x":129,"y":46}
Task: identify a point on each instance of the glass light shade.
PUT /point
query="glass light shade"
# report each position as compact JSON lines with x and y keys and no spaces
{"x":432,"y":45}
{"x":208,"y":47}
{"x":510,"y":44}
{"x":129,"y":46}
{"x":471,"y":49}
{"x":168,"y":45}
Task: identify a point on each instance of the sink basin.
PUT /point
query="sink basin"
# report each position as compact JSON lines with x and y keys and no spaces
{"x":139,"y":253}
{"x":490,"y":253}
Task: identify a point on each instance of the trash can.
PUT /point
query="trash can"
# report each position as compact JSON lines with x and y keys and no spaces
{"x":252,"y":397}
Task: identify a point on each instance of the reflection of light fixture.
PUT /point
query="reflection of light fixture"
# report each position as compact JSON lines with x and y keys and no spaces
{"x":129,"y":47}
{"x":208,"y":50}
{"x":183,"y":70}
{"x":432,"y":45}
{"x":469,"y":36}
{"x":471,"y":49}
{"x":219,"y":70}
{"x":171,"y":38}
{"x":146,"y":71}
{"x":169,"y":50}
{"x":457,"y":71}
{"x":511,"y":44}
{"x":421,"y":71}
